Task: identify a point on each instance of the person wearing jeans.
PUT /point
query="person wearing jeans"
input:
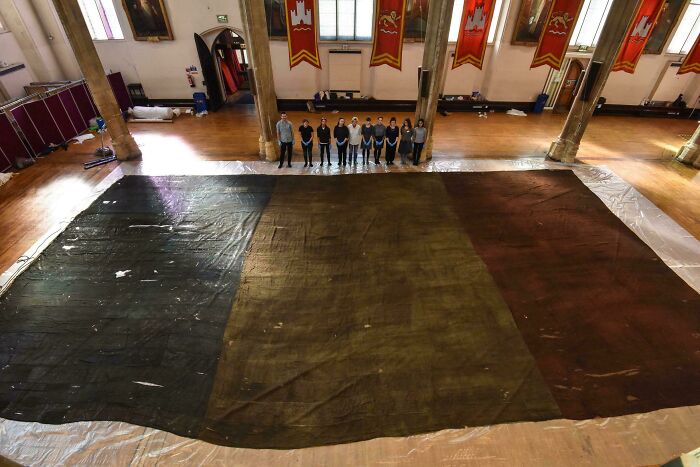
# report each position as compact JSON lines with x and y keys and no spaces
{"x":324,"y":140}
{"x":307,"y":142}
{"x":285,"y":136}
{"x":355,"y":140}
{"x":419,"y":134}
{"x":341,"y":135}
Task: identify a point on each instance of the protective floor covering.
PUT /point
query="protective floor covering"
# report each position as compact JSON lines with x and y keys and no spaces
{"x":300,"y":311}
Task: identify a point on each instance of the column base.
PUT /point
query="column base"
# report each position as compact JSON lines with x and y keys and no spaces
{"x":125,"y":148}
{"x":428,"y":150}
{"x":563,"y":150}
{"x":688,"y":154}
{"x":270,"y":151}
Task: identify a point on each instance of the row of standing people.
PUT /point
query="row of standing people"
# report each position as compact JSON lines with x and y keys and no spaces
{"x":350,"y":140}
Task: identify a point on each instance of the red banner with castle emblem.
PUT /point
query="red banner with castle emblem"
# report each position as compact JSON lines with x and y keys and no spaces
{"x":556,"y":33}
{"x":301,"y":32}
{"x":473,"y":33}
{"x":388,"y":33}
{"x":691,"y":63}
{"x":638,"y":35}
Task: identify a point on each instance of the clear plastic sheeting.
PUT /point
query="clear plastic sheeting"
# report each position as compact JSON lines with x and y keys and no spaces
{"x":641,"y":439}
{"x":644,"y":439}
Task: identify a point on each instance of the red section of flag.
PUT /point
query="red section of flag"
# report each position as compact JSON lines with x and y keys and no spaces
{"x":301,"y":32}
{"x":388,"y":33}
{"x":638,"y":34}
{"x":691,"y":63}
{"x":473,"y":33}
{"x":556,"y":33}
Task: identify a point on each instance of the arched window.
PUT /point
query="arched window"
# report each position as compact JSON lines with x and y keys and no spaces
{"x":101,"y":19}
{"x":687,"y":31}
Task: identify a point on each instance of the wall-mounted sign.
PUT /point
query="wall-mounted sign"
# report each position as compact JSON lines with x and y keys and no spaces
{"x":222,"y":18}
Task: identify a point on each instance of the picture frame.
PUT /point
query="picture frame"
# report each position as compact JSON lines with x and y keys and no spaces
{"x":276,"y":19}
{"x":669,"y":17}
{"x":531,"y":18}
{"x":148,"y":19}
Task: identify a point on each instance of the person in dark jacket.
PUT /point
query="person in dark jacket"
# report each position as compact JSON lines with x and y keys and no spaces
{"x":406,"y":142}
{"x":341,"y":135}
{"x":324,"y":140}
{"x":379,"y":135}
{"x":307,"y":142}
{"x":367,"y":134}
{"x":392,"y":139}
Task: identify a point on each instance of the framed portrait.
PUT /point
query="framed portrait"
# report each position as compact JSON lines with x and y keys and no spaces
{"x":148,"y":20}
{"x":670,"y":14}
{"x":416,"y":21}
{"x":531,"y":19}
{"x":276,"y":19}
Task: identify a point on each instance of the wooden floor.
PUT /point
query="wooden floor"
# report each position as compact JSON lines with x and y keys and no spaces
{"x":639,"y":150}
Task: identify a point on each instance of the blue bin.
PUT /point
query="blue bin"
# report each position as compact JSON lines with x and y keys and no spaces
{"x":200,"y":102}
{"x":540,"y":103}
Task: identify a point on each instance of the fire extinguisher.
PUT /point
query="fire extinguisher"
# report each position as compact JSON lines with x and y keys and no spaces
{"x":190,"y":79}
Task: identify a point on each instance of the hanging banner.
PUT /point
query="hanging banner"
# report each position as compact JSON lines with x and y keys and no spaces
{"x":556,"y":33}
{"x":637,"y":35}
{"x":301,"y":32}
{"x":388,"y":33}
{"x":473,"y":32}
{"x":691,"y":63}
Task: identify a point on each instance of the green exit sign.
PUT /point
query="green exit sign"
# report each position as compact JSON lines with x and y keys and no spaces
{"x":222,"y":18}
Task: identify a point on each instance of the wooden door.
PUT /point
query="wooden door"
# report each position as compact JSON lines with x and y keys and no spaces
{"x":569,"y":87}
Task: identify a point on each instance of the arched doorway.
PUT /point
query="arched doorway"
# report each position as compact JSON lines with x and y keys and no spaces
{"x":569,"y":87}
{"x":224,"y":67}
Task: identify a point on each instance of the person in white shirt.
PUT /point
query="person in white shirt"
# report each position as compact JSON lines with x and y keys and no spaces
{"x":355,"y":140}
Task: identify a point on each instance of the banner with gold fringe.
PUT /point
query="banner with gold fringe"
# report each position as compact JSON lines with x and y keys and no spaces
{"x":473,"y":33}
{"x":556,"y":34}
{"x":388,"y":33}
{"x":302,"y":34}
{"x":638,"y":34}
{"x":691,"y":62}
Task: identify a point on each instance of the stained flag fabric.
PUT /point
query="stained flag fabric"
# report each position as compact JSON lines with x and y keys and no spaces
{"x":638,"y":35}
{"x":473,"y":32}
{"x":302,"y":32}
{"x":556,"y":33}
{"x":691,"y":63}
{"x":388,"y":33}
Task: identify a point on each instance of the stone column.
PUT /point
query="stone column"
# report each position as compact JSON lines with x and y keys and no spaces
{"x":260,"y":61}
{"x":125,"y":147}
{"x":622,"y":13}
{"x":689,"y":153}
{"x":434,"y":57}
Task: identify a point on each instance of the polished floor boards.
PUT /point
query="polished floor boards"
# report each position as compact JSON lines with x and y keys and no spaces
{"x":640,"y":150}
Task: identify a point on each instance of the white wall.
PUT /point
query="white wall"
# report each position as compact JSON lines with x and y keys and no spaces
{"x":160,"y":67}
{"x":13,"y":83}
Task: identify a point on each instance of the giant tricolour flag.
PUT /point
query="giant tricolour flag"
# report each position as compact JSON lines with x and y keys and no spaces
{"x":388,"y":33}
{"x":638,"y":35}
{"x":556,"y":33}
{"x":301,"y":32}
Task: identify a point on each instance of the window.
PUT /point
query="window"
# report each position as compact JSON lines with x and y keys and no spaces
{"x":101,"y":19}
{"x":590,"y":23}
{"x":345,"y":20}
{"x":457,"y":19}
{"x":687,"y":31}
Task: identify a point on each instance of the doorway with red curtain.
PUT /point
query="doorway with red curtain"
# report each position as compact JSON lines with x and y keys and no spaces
{"x":231,"y":60}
